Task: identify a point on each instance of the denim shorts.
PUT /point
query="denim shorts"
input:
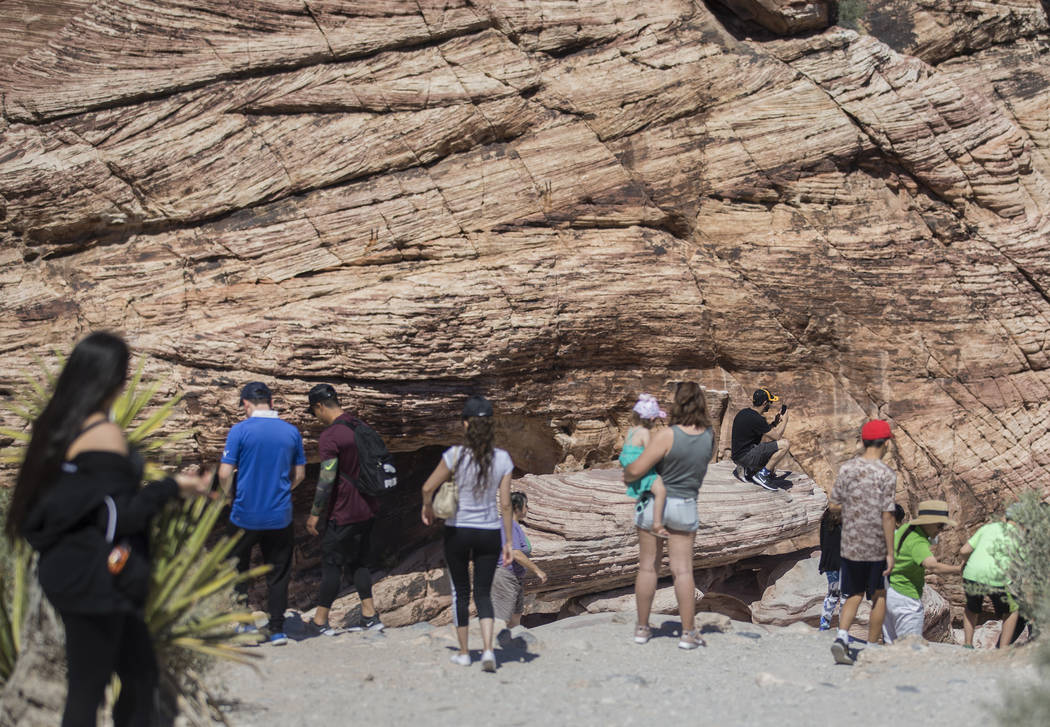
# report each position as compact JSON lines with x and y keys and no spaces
{"x":679,"y":514}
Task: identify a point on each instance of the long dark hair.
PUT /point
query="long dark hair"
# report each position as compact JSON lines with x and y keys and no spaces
{"x":95,"y":371}
{"x":690,"y":406}
{"x":478,"y":439}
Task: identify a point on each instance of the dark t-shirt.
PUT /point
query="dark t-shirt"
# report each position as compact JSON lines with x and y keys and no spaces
{"x":346,"y":504}
{"x":748,"y":428}
{"x":830,"y":544}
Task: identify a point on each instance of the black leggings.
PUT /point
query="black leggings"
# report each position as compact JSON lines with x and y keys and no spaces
{"x":345,"y":549}
{"x":483,"y":547}
{"x":98,"y":645}
{"x":277,"y":547}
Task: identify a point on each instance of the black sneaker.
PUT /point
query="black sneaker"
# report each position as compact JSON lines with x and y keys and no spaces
{"x":840,"y":650}
{"x":368,"y":623}
{"x":739,"y":473}
{"x":763,"y":480}
{"x":313,"y":629}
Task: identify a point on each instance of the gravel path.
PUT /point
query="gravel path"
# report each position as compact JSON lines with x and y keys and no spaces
{"x":587,"y":671}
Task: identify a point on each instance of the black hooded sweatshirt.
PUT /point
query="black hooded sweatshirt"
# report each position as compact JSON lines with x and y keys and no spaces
{"x":67,"y":526}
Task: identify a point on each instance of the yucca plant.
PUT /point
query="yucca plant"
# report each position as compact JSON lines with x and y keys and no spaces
{"x":14,"y":603}
{"x":191,"y":579}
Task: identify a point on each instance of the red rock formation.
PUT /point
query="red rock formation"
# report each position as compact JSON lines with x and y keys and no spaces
{"x":560,"y":204}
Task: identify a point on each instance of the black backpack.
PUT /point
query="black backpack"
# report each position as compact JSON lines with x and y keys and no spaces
{"x":377,"y":475}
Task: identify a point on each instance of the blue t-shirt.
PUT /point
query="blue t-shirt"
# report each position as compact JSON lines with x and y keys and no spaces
{"x":264,"y":449}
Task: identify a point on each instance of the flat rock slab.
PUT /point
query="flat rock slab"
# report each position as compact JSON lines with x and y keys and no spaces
{"x":581,"y":524}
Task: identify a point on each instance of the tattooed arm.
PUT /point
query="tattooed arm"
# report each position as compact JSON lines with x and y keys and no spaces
{"x":325,"y":483}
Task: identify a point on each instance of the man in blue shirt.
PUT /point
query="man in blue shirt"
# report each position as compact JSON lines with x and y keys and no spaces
{"x":267,"y":454}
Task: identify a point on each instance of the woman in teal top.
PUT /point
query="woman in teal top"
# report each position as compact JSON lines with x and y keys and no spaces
{"x":680,"y":454}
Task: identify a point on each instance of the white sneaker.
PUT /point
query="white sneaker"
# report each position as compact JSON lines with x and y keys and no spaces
{"x":488,"y":661}
{"x":461,"y":659}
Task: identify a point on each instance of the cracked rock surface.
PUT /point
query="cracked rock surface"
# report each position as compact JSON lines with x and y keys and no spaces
{"x":560,"y":204}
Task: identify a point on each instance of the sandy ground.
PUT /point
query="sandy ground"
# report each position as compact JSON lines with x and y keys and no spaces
{"x":587,"y":671}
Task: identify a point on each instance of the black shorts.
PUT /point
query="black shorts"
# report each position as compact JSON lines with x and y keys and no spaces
{"x":863,"y":576}
{"x":755,"y":458}
{"x":348,"y":545}
{"x":1002,"y":603}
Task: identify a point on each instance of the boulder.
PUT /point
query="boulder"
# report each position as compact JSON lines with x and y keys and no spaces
{"x":937,"y":623}
{"x":795,"y":596}
{"x":583,"y":535}
{"x":622,"y":599}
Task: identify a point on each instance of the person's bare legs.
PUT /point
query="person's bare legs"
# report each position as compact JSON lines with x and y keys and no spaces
{"x":321,"y":616}
{"x":878,"y":615}
{"x":487,"y":628}
{"x":849,"y":611}
{"x":1006,"y":637}
{"x":680,"y":552}
{"x":969,"y":625}
{"x":462,"y":632}
{"x":650,"y":550}
{"x":782,"y":449}
{"x":515,"y":620}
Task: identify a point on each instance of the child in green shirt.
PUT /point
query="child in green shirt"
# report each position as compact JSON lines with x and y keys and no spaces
{"x":912,"y":560}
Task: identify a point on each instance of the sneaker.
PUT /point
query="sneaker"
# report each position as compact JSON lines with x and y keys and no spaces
{"x":642,"y":634}
{"x":762,"y":480}
{"x":313,"y":629}
{"x":824,"y":626}
{"x":460,"y":659}
{"x":274,"y":638}
{"x":691,"y":640}
{"x":368,"y":623}
{"x":488,"y":661}
{"x":739,"y":473}
{"x":840,"y":651}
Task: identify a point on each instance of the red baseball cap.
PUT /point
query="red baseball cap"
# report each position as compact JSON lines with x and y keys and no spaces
{"x":876,"y":429}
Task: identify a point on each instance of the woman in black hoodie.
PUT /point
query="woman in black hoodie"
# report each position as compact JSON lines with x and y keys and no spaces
{"x":78,"y":503}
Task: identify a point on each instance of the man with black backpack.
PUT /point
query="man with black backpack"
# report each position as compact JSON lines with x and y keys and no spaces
{"x":355,"y":469}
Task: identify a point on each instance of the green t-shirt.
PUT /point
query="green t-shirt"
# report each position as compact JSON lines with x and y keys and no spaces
{"x":908,"y":575}
{"x":983,"y":565}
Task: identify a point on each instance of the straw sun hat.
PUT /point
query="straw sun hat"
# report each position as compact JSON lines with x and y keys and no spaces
{"x":932,"y":512}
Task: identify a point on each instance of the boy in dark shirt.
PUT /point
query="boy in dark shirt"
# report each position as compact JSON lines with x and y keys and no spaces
{"x":757,"y":443}
{"x":347,"y":513}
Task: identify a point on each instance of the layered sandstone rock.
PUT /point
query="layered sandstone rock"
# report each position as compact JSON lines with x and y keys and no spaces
{"x":559,"y":204}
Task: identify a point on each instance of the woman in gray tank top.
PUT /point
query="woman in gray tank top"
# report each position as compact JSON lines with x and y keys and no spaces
{"x":680,"y":454}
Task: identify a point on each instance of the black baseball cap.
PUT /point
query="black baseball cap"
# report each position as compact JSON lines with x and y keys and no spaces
{"x":256,"y":390}
{"x":763,"y":396}
{"x":319,"y":393}
{"x":477,"y":406}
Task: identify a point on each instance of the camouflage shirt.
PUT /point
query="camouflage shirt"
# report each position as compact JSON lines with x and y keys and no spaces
{"x":865,"y":489}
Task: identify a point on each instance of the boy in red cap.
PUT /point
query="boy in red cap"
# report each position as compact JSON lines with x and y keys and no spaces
{"x":864,"y":489}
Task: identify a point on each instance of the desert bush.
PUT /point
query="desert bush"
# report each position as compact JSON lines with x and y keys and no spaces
{"x":1027,"y":556}
{"x":850,"y":12}
{"x":1027,"y":704}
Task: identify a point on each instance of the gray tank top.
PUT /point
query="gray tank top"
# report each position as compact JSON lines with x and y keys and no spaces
{"x":684,"y":467}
